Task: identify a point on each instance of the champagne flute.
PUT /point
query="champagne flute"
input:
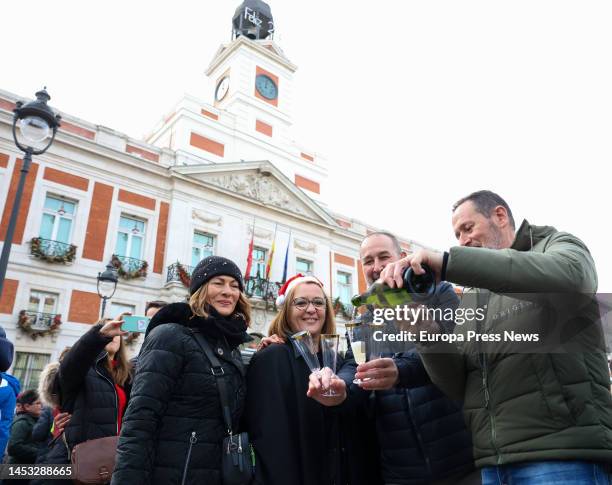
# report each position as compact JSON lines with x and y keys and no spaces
{"x":329,"y":349}
{"x":358,"y":334}
{"x":306,"y":347}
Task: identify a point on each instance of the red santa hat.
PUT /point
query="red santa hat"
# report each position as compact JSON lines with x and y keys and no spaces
{"x":292,"y":283}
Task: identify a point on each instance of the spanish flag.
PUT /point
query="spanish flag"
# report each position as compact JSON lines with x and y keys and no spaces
{"x":269,"y":265}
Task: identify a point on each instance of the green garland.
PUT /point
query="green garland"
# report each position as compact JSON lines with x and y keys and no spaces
{"x":25,"y":324}
{"x":129,"y":275}
{"x":340,"y":308}
{"x":37,"y":251}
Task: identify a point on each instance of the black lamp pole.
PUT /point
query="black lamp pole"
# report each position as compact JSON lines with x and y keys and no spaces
{"x":37,"y":123}
{"x":107,"y":284}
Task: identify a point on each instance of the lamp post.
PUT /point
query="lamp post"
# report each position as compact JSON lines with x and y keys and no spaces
{"x":107,"y":284}
{"x":38,"y":125}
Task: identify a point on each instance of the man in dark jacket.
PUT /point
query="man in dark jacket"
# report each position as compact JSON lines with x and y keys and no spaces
{"x":421,"y":433}
{"x":535,"y":415}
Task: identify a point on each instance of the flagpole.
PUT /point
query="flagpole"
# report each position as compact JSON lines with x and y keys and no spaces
{"x":271,"y":257}
{"x":286,"y":258}
{"x":247,"y":271}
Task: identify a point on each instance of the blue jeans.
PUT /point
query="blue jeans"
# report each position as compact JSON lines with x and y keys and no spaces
{"x":547,"y":473}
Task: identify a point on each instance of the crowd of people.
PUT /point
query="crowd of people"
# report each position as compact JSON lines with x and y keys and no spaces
{"x":189,"y":409}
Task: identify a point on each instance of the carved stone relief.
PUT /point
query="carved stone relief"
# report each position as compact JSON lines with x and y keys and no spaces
{"x":207,"y":217}
{"x":261,"y":188}
{"x":260,"y":233}
{"x":305,"y":246}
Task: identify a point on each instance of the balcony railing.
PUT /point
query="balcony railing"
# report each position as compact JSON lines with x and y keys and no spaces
{"x":265,"y":289}
{"x":52,"y":251}
{"x":343,"y":309}
{"x":129,"y":268}
{"x":179,"y":272}
{"x":37,"y":324}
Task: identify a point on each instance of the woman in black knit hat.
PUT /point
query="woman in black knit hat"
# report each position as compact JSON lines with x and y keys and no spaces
{"x":173,"y":427}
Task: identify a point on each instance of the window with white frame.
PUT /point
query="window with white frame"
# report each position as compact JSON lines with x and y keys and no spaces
{"x":258,"y":269}
{"x":203,"y":246}
{"x":344,"y":283}
{"x":130,"y":237}
{"x":28,"y":367}
{"x":303,"y":266}
{"x":43,"y":302}
{"x":58,"y":218}
{"x":117,"y":309}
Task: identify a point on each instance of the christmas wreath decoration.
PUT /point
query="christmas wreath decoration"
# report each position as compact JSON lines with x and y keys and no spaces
{"x":183,"y":275}
{"x":25,"y":324}
{"x":130,"y":274}
{"x":37,"y":250}
{"x":340,"y":308}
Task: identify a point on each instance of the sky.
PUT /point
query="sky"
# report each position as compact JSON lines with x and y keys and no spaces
{"x":414,"y":104}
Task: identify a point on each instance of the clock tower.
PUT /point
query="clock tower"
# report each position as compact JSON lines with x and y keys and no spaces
{"x":251,"y":75}
{"x":250,"y":116}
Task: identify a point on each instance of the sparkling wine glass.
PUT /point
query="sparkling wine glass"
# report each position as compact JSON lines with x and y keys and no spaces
{"x":305,"y":344}
{"x":359,"y":336}
{"x":329,"y":349}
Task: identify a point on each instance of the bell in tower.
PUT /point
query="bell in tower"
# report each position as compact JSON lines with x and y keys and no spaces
{"x":253,"y":19}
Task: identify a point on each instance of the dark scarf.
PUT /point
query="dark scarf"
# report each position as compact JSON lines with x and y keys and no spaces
{"x":214,"y":327}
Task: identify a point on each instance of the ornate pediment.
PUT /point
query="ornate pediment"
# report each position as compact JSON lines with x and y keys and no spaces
{"x":259,"y":181}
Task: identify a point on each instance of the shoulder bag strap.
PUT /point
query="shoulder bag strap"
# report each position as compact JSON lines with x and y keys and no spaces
{"x":217,"y":370}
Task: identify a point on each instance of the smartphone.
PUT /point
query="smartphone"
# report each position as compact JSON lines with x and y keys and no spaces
{"x":133,"y":323}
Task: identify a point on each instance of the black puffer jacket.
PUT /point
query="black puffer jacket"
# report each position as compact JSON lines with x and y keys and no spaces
{"x":87,"y":390}
{"x":173,"y":427}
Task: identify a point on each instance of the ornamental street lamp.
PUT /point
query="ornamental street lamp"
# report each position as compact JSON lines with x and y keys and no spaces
{"x":107,"y":284}
{"x":38,"y":125}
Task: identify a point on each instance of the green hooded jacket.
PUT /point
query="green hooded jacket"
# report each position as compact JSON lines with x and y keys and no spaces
{"x":523,"y":404}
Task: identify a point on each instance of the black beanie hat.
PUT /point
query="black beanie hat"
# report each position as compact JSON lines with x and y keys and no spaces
{"x":214,"y":266}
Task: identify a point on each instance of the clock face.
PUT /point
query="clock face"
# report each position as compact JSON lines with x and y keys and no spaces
{"x":266,"y":87}
{"x":222,"y":88}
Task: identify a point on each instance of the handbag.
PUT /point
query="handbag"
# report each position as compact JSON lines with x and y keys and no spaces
{"x":237,"y":454}
{"x":93,"y":461}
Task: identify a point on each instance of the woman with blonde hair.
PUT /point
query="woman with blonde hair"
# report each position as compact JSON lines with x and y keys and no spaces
{"x":297,"y":438}
{"x":173,"y":428}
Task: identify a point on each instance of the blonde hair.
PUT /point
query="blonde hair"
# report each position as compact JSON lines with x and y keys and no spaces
{"x":198,"y":302}
{"x":280,"y":325}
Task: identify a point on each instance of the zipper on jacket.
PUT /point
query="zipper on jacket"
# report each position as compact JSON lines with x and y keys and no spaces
{"x":485,"y":385}
{"x":192,"y":441}
{"x":418,"y":434}
{"x":115,"y":391}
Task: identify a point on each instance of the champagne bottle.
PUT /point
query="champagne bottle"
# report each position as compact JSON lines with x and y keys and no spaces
{"x":417,"y":288}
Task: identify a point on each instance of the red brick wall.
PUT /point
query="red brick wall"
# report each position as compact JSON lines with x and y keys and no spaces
{"x":307,"y":184}
{"x":77,"y":130}
{"x":207,"y":144}
{"x":361,"y":282}
{"x":84,"y":307}
{"x":24,"y":208}
{"x":154,"y":157}
{"x":9,"y":293}
{"x":65,"y":178}
{"x":209,"y":114}
{"x":305,"y":156}
{"x":97,"y":224}
{"x":136,"y":199}
{"x":4,"y":158}
{"x":264,"y":128}
{"x":7,"y":105}
{"x":340,"y":258}
{"x":160,"y":243}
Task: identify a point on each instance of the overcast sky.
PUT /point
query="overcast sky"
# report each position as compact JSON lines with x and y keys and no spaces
{"x":413,"y":103}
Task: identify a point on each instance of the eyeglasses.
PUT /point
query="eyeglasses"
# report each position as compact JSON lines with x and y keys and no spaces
{"x":302,"y":303}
